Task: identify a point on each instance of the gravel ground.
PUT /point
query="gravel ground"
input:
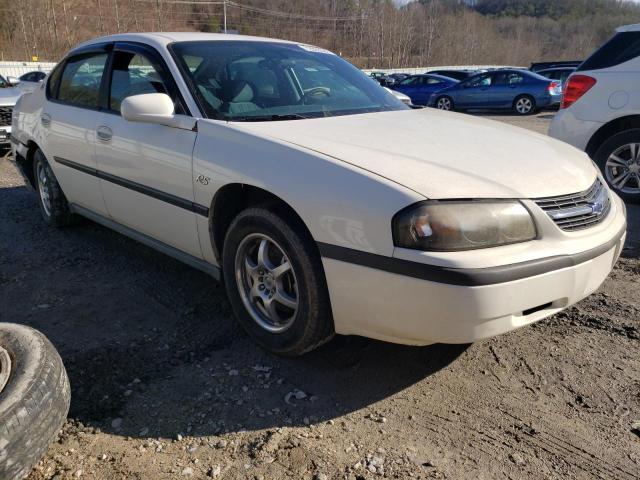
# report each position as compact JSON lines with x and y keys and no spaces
{"x":164,"y":385}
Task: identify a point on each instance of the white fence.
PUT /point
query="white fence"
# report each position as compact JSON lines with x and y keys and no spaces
{"x":417,"y":70}
{"x":15,"y":69}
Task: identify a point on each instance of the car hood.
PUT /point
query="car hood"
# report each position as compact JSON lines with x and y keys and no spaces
{"x":442,"y":154}
{"x":9,"y":95}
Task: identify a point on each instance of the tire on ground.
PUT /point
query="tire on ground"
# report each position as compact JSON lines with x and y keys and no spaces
{"x":34,"y":402}
{"x":59,"y":214}
{"x":313,"y":324}
{"x":607,"y":148}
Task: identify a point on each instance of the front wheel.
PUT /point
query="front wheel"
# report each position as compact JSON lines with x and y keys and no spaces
{"x":444,"y":103}
{"x":524,"y":105}
{"x":619,"y":160}
{"x":275,"y":282}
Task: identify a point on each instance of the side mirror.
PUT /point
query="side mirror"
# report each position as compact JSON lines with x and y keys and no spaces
{"x":13,"y":80}
{"x":154,"y":108}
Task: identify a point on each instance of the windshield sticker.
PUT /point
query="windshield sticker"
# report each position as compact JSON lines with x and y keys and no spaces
{"x":311,"y":48}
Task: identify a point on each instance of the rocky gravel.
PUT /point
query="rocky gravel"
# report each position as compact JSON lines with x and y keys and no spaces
{"x":166,"y":386}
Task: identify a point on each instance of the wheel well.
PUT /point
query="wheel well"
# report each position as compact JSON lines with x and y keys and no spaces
{"x":26,"y":163}
{"x":231,"y":199}
{"x":607,"y":130}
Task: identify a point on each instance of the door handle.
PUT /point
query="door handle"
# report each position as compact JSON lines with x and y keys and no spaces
{"x":104,"y":133}
{"x":45,"y":119}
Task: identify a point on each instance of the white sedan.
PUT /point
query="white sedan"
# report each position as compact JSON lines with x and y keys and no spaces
{"x":325,"y":204}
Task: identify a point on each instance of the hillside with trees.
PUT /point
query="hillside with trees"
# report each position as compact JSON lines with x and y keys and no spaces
{"x":370,"y":33}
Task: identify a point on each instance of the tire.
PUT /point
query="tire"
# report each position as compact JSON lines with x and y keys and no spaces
{"x":524,"y":105}
{"x":444,"y":103}
{"x":614,"y":172}
{"x":300,"y":329}
{"x":34,"y":402}
{"x":51,"y":200}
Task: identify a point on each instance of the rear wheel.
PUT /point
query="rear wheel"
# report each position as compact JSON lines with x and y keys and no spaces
{"x":524,"y":105}
{"x":53,"y":204}
{"x":619,"y":160}
{"x":275,"y":282}
{"x":444,"y":103}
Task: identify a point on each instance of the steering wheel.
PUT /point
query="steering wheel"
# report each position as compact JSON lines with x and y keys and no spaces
{"x":316,"y":92}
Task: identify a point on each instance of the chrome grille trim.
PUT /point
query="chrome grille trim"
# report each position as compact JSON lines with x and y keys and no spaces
{"x":579,"y":210}
{"x":5,"y":116}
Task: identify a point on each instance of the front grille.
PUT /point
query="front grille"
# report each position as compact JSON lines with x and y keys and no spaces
{"x":579,"y":210}
{"x":5,"y":116}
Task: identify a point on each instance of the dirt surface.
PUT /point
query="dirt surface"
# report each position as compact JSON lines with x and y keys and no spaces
{"x":164,"y":385}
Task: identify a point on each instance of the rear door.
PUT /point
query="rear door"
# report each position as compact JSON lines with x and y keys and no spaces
{"x":147,"y":168}
{"x":68,"y":119}
{"x":506,"y":85}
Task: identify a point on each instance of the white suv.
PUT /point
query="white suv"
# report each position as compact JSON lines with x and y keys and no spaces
{"x":600,"y":111}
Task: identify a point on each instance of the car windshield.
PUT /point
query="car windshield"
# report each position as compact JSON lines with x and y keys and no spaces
{"x":265,"y":81}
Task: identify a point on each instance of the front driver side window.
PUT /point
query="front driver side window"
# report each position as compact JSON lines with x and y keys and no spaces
{"x":133,"y":74}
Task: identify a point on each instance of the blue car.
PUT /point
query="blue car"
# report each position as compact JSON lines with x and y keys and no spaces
{"x":521,"y":91}
{"x":420,"y":87}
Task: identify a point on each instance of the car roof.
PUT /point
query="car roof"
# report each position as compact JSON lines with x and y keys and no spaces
{"x":555,"y":69}
{"x":162,"y":39}
{"x":629,"y":28}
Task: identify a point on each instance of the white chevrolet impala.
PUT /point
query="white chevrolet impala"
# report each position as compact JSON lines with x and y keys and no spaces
{"x":324,"y":203}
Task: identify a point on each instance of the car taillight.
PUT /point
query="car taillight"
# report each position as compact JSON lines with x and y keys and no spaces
{"x":555,"y":88}
{"x":577,"y":86}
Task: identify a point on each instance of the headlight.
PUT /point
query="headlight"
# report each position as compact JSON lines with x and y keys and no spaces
{"x":462,"y":225}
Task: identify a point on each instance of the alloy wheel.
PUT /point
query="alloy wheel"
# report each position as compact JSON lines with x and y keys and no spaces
{"x":444,"y":103}
{"x":5,"y":368}
{"x":43,"y":188}
{"x":622,"y":168}
{"x":524,"y":105}
{"x":266,"y":282}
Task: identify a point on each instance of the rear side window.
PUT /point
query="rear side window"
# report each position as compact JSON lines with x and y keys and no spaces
{"x":622,"y":47}
{"x":81,"y":78}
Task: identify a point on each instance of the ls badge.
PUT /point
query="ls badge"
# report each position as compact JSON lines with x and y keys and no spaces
{"x":203,"y":180}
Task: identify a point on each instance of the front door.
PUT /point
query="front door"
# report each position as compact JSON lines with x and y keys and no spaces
{"x":147,"y":168}
{"x":474,"y":92}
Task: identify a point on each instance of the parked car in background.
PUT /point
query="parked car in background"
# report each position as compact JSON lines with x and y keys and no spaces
{"x":400,"y":96}
{"x":8,"y":97}
{"x":537,"y":66}
{"x":398,"y":77}
{"x":455,"y":74}
{"x":522,"y":91}
{"x":420,"y":87}
{"x":29,"y":81}
{"x":558,"y":73}
{"x":600,"y":111}
{"x":324,"y":204}
{"x":382,"y":78}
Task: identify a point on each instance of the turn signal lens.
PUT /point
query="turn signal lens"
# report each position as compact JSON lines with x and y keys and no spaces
{"x":577,"y":86}
{"x":462,"y":225}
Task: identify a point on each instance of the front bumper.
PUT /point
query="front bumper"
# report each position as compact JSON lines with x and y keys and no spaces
{"x":403,"y":308}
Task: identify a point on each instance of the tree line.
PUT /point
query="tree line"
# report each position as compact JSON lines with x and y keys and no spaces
{"x":370,"y":33}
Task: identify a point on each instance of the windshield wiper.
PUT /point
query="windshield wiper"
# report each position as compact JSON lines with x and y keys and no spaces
{"x":267,"y":118}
